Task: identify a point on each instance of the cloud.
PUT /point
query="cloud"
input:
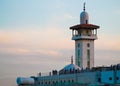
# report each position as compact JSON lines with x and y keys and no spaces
{"x":106,"y":57}
{"x":107,"y":42}
{"x":48,"y":41}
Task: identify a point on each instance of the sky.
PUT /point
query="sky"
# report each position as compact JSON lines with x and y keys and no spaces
{"x":35,"y":35}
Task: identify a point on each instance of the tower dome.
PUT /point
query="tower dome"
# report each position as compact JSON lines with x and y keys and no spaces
{"x":84,"y":18}
{"x":70,"y":68}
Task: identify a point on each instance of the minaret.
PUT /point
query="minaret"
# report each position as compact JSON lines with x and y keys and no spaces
{"x":84,"y":35}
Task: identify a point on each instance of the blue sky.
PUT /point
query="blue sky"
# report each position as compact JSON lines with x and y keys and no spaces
{"x":35,"y":35}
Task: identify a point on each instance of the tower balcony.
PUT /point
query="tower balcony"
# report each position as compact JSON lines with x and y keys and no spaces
{"x":80,"y":37}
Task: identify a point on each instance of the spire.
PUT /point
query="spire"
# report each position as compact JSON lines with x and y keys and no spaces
{"x":84,"y":6}
{"x":84,"y":18}
{"x":71,"y":59}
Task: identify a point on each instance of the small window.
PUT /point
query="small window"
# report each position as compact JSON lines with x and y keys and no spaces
{"x":88,"y":64}
{"x":53,"y":82}
{"x":69,"y":81}
{"x":78,"y":45}
{"x":88,"y":54}
{"x":72,"y":80}
{"x":110,"y":78}
{"x":87,"y":32}
{"x":117,"y":78}
{"x":88,"y":44}
{"x":41,"y":82}
{"x":99,"y":79}
{"x":78,"y":53}
{"x":45,"y":82}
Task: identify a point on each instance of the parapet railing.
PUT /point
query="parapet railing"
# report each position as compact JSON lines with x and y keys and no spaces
{"x":62,"y":72}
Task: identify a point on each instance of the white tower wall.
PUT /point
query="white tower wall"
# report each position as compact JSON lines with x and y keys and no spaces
{"x":84,"y":53}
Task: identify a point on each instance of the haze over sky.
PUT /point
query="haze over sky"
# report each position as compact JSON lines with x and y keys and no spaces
{"x":35,"y":35}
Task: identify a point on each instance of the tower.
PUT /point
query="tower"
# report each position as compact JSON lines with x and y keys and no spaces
{"x":84,"y":35}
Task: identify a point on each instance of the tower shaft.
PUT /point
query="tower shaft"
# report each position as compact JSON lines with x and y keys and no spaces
{"x":84,"y":53}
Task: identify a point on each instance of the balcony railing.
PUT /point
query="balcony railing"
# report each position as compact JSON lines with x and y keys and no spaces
{"x":77,"y":37}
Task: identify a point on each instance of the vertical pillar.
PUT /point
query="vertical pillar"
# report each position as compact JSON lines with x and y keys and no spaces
{"x":72,"y":32}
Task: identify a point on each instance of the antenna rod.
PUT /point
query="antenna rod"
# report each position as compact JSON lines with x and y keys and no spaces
{"x":84,"y":6}
{"x":71,"y":59}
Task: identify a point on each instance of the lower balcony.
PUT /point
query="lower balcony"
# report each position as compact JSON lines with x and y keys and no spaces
{"x":79,"y":37}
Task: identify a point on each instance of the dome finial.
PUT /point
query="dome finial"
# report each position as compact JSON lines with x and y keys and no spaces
{"x":71,"y":59}
{"x":84,"y":18}
{"x":84,"y":6}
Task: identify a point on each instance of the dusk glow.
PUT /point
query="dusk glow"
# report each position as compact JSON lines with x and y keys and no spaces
{"x":35,"y":35}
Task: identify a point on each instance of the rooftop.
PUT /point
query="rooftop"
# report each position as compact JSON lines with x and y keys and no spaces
{"x":84,"y":26}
